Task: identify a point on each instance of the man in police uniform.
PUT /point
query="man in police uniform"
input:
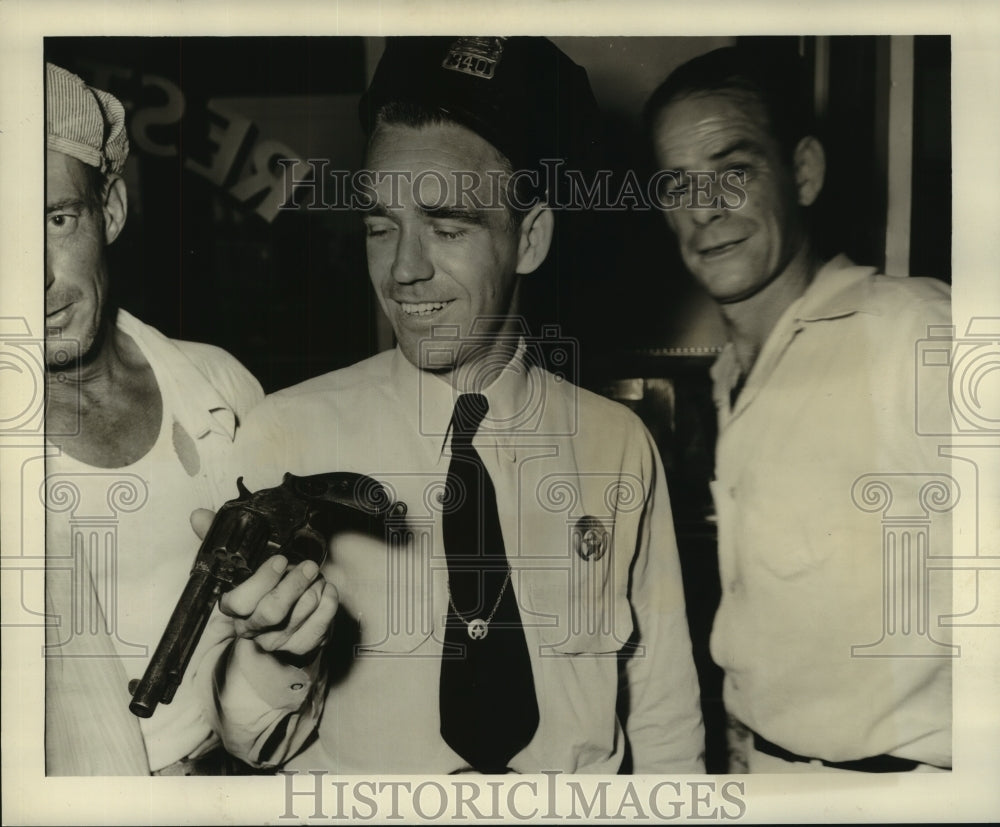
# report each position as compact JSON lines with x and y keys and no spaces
{"x":529,"y":615}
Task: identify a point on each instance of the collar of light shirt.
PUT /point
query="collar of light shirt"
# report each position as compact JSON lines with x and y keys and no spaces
{"x":839,"y":289}
{"x":516,"y":397}
{"x":198,"y":406}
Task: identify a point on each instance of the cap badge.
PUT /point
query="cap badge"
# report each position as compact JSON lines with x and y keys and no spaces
{"x":476,"y":56}
{"x":590,"y":538}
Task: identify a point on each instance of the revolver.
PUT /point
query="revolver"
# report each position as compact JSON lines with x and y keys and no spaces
{"x":296,"y":519}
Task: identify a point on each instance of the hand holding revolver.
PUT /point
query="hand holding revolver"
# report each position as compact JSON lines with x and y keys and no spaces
{"x":243,"y":564}
{"x":285,"y":610}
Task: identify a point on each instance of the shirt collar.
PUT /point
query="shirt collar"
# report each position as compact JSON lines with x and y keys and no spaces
{"x":194,"y":401}
{"x":510,"y":395}
{"x":839,"y":288}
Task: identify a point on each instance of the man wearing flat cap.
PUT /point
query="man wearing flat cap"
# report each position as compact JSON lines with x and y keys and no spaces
{"x":527,"y":614}
{"x":138,"y":424}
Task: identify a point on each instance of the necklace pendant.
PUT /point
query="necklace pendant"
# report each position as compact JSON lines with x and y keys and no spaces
{"x":478,"y":629}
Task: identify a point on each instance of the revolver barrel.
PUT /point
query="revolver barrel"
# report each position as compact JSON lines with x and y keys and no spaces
{"x":237,"y":538}
{"x":165,"y":670}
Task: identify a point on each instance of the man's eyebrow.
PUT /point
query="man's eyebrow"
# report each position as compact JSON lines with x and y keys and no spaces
{"x":740,"y":145}
{"x":377,"y":210}
{"x":66,"y":203}
{"x":464,"y":214}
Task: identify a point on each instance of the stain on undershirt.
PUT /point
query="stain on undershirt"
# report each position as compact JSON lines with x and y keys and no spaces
{"x":185,"y":449}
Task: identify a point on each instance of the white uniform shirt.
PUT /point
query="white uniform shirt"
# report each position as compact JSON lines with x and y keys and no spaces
{"x":556,"y":454}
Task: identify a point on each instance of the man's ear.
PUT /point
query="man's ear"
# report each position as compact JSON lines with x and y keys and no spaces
{"x":534,"y":238}
{"x":810,"y":169}
{"x":115,"y":208}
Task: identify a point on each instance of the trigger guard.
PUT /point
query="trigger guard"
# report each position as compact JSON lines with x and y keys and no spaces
{"x":306,"y":544}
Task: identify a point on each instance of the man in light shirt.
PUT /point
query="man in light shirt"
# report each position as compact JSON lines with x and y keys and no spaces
{"x":828,"y":630}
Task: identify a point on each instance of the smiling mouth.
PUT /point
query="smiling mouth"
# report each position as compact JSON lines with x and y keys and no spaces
{"x":417,"y":309}
{"x":57,"y":315}
{"x":720,"y":249}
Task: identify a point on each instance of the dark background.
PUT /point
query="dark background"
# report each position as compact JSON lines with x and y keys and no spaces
{"x":202,"y":256}
{"x":288,"y":293}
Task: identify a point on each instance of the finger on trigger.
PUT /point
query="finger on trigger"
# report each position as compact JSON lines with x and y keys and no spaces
{"x":331,"y":594}
{"x":275,"y":608}
{"x":243,"y":600}
{"x":305,"y":606}
{"x":317,"y":624}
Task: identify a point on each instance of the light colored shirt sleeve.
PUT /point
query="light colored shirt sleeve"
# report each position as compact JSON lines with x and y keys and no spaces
{"x":664,"y":722}
{"x":262,"y":709}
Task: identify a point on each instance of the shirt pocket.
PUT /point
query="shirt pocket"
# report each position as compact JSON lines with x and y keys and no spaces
{"x":581,"y":610}
{"x":788,"y":518}
{"x":388,"y":593}
{"x":392,"y":634}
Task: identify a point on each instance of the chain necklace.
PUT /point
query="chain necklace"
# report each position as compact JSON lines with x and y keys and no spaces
{"x":478,"y":628}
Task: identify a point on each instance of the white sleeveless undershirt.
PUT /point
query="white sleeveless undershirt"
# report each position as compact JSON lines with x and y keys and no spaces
{"x":131,"y":527}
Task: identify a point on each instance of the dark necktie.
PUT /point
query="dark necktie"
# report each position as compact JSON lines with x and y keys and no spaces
{"x":488,"y":707}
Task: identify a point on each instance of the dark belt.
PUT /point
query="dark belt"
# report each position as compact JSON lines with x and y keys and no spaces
{"x":877,"y":763}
